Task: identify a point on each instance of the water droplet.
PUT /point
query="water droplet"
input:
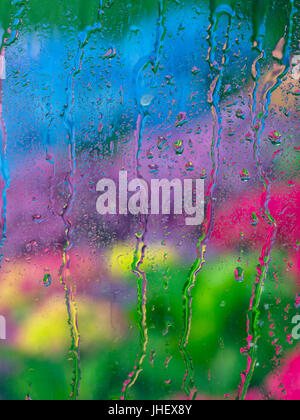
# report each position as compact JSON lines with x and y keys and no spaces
{"x":189,"y":166}
{"x":203,"y":174}
{"x":170,"y":80}
{"x":178,"y":147}
{"x":228,"y":89}
{"x":181,"y":119}
{"x":245,"y":175}
{"x":47,"y":280}
{"x":49,"y":157}
{"x":240,"y":114}
{"x":162,"y":143}
{"x":195,"y":71}
{"x":231,"y":132}
{"x":149,"y":154}
{"x":29,"y":247}
{"x":111,"y":53}
{"x":239,"y":274}
{"x":153,"y":169}
{"x":37,"y":218}
{"x":275,"y":137}
{"x":254,"y":219}
{"x":146,"y":99}
{"x":249,"y":137}
{"x":134,"y":29}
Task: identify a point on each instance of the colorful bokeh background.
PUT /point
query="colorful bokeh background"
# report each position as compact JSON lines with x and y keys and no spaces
{"x":109,"y":307}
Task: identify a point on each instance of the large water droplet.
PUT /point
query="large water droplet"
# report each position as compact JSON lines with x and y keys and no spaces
{"x":162,"y":143}
{"x":189,"y":166}
{"x":248,"y":137}
{"x":195,"y":71}
{"x":181,"y":119}
{"x":178,"y":147}
{"x":146,"y":100}
{"x":203,"y":174}
{"x":111,"y":53}
{"x":245,"y":175}
{"x":47,"y":280}
{"x":153,"y":169}
{"x":37,"y":218}
{"x":275,"y":137}
{"x":254,"y":219}
{"x":239,"y":274}
{"x":240,"y":114}
{"x":150,"y":154}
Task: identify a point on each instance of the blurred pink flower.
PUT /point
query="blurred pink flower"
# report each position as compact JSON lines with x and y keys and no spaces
{"x":255,"y":394}
{"x":286,"y":386}
{"x":244,"y":218}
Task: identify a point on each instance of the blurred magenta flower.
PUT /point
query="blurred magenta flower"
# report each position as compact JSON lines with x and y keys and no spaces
{"x":286,"y":385}
{"x":243,"y":218}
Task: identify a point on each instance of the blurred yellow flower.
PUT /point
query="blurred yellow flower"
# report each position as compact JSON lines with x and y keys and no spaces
{"x":46,"y":332}
{"x":121,"y":258}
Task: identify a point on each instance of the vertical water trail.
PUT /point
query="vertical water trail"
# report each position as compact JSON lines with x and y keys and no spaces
{"x":49,"y":118}
{"x":4,"y":162}
{"x":64,"y":273}
{"x":214,"y":101}
{"x":141,"y":244}
{"x":161,"y":32}
{"x":253,"y":329}
{"x":10,"y":36}
{"x":137,"y":263}
{"x":100,"y":13}
{"x":50,"y":159}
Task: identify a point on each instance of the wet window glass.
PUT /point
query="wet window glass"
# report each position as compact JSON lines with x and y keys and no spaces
{"x":149,"y":200}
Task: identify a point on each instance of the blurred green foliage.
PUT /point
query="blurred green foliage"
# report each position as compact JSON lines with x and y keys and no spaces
{"x":118,"y":15}
{"x":220,"y":306}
